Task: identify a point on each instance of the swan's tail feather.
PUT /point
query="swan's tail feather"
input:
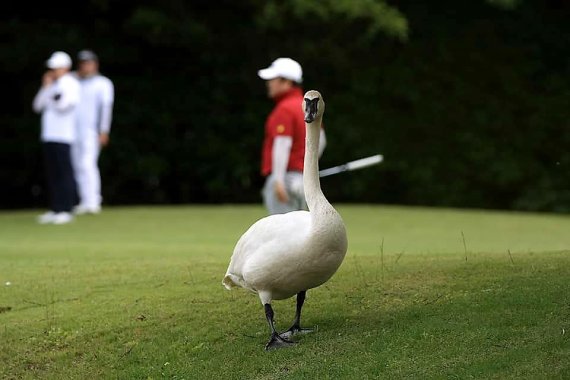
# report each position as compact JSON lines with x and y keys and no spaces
{"x":231,"y":281}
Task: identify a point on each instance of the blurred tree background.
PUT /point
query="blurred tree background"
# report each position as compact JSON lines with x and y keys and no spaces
{"x":467,"y":101}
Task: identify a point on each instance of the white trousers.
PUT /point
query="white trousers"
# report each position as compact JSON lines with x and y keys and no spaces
{"x":294,"y":187}
{"x":85,"y":156}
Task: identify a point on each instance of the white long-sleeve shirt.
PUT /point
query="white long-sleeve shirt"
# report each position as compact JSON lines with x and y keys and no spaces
{"x":57,"y":103}
{"x":282,"y":149}
{"x":95,"y":110}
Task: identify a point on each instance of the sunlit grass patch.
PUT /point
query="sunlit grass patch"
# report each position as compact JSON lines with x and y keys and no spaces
{"x":423,"y":293}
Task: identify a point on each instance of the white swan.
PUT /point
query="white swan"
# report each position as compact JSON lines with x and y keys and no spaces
{"x":286,"y":254}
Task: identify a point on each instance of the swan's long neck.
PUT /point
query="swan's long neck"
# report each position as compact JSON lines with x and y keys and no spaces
{"x":327,"y":242}
{"x":313,"y":193}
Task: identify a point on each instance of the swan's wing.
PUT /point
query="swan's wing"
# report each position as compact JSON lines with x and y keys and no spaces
{"x":265,"y":242}
{"x":281,"y":229}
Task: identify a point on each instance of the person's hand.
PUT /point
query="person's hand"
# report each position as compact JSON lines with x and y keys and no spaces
{"x":103,"y":139}
{"x":47,"y":78}
{"x":281,"y":193}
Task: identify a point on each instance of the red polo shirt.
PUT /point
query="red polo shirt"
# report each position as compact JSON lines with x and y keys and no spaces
{"x":286,"y":119}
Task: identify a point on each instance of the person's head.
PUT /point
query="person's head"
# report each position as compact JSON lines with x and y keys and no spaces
{"x":281,"y":76}
{"x":59,"y":63}
{"x":88,"y":63}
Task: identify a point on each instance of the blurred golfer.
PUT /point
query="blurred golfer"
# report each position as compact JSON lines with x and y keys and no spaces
{"x":94,"y":118}
{"x":283,"y":150}
{"x":57,"y":101}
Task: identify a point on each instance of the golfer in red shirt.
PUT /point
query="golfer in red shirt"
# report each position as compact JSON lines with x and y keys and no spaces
{"x":283,"y":150}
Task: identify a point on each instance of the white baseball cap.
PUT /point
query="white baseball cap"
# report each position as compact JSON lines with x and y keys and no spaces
{"x":59,"y":60}
{"x":283,"y":68}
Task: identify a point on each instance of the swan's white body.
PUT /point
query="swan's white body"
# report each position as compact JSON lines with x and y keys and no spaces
{"x":284,"y":254}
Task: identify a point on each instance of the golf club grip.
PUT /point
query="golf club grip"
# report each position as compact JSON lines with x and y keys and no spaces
{"x":364,"y":162}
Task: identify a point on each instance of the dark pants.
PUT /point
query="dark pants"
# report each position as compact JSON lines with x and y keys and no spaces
{"x":61,"y":183}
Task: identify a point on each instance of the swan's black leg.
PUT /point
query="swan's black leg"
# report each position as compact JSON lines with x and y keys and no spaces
{"x":275,"y":341}
{"x":296,"y":327}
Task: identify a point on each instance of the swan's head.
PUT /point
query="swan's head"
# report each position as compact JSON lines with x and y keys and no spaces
{"x":313,"y":106}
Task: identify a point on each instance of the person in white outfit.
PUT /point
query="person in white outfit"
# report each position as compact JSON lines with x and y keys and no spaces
{"x":94,"y":118}
{"x":57,"y":101}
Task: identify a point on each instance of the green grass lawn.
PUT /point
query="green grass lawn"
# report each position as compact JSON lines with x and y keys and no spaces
{"x":135,"y":293}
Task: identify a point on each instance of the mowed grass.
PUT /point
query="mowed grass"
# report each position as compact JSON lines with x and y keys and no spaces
{"x":135,"y":293}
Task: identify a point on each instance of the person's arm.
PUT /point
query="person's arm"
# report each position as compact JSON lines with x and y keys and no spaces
{"x":280,"y":131}
{"x":42,"y":98}
{"x":105,"y":125}
{"x":279,"y":161}
{"x":106,"y":112}
{"x":67,"y":96}
{"x":322,"y":142}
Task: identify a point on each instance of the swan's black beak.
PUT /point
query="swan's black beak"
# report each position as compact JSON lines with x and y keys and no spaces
{"x":311,"y":109}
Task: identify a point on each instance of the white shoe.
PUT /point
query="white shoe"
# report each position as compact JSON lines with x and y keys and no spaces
{"x":82,"y":210}
{"x":62,"y":218}
{"x":46,"y":218}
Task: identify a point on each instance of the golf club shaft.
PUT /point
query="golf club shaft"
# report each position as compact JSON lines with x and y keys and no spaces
{"x":352,"y":165}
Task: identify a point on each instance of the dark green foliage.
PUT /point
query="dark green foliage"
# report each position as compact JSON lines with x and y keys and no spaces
{"x":468,"y":102}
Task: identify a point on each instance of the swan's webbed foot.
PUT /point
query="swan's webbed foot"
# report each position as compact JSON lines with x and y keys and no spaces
{"x":277,"y":341}
{"x":296,"y":330}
